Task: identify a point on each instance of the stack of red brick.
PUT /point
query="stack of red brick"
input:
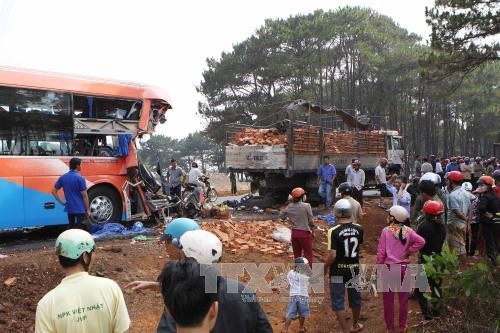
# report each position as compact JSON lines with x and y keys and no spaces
{"x":366,"y":142}
{"x":254,"y":136}
{"x":306,"y":140}
{"x":246,"y":237}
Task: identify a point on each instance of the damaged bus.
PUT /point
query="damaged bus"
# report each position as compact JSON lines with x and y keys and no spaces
{"x":47,"y":118}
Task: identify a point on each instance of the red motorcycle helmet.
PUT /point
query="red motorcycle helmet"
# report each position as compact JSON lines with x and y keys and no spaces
{"x":433,"y":207}
{"x":455,"y":176}
{"x":298,"y":192}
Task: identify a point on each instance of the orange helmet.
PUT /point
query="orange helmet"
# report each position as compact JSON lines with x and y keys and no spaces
{"x":486,"y":180}
{"x":298,"y":192}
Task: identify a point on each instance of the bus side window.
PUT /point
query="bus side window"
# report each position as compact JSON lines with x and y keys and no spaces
{"x":35,"y":122}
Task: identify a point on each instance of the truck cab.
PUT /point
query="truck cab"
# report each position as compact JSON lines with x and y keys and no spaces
{"x":395,"y":151}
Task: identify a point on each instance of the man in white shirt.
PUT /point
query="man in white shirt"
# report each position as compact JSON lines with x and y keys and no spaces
{"x":356,"y":179}
{"x":439,"y":168}
{"x":349,"y":168}
{"x":426,"y":166}
{"x":195,"y":174}
{"x":381,"y":179}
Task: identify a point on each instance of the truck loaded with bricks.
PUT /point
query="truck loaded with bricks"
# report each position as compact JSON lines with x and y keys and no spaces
{"x":284,"y":150}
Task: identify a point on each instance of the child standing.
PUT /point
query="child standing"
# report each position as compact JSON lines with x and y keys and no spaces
{"x":397,"y":243}
{"x":298,"y":303}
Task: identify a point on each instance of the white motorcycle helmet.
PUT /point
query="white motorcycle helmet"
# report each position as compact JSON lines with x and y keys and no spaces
{"x":201,"y":245}
{"x":433,"y":177}
{"x":399,"y":213}
{"x":467,"y":186}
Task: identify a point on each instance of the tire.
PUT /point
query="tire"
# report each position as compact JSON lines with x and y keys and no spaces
{"x":105,"y":205}
{"x":212,"y":195}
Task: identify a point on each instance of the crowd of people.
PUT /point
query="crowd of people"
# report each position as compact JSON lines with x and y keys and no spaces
{"x":441,"y":214}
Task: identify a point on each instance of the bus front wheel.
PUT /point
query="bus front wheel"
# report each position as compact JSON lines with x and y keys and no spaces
{"x":105,"y":205}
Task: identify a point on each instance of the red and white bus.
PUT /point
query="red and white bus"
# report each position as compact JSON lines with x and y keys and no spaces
{"x":47,"y":118}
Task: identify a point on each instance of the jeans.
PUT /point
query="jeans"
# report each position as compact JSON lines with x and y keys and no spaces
{"x":75,"y":221}
{"x":325,"y":191}
{"x":302,"y":243}
{"x":176,"y":190}
{"x":337,"y":292}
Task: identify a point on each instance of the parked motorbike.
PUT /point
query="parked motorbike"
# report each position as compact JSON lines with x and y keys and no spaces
{"x":210,"y":193}
{"x":191,"y":205}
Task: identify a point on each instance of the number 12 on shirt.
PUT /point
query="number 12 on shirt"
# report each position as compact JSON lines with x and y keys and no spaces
{"x":350,"y":251}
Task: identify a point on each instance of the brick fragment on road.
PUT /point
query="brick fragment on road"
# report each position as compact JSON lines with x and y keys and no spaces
{"x":10,"y":281}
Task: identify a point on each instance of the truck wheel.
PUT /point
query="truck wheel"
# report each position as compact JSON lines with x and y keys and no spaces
{"x":105,"y":205}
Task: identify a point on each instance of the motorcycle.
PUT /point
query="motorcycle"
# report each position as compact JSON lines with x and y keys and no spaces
{"x":210,"y":193}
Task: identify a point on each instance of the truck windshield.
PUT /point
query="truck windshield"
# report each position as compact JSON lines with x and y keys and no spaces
{"x":397,"y":143}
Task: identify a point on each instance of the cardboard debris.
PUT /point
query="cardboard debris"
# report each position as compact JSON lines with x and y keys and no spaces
{"x":10,"y":282}
{"x":246,"y":237}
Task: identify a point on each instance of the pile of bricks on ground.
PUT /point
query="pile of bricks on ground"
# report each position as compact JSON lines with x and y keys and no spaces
{"x":265,"y":137}
{"x":338,"y":142}
{"x":306,"y":140}
{"x":246,"y":237}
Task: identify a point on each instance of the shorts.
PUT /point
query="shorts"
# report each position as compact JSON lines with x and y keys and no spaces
{"x":337,"y":293}
{"x":456,"y":237}
{"x":298,"y":306}
{"x":383,"y":191}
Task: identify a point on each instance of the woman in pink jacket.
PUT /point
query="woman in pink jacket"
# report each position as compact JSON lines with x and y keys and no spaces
{"x":397,"y":242}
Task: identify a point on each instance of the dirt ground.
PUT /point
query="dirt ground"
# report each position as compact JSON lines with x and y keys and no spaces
{"x":220,"y":181}
{"x":37,"y":271}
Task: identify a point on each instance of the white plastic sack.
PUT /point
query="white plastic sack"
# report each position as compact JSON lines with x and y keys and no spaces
{"x":282,"y":234}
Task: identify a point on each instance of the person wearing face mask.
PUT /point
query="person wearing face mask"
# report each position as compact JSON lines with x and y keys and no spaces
{"x":81,"y":302}
{"x":489,"y":215}
{"x":300,"y":215}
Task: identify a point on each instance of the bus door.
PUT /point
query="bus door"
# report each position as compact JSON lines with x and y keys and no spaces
{"x":11,"y":202}
{"x":41,"y":207}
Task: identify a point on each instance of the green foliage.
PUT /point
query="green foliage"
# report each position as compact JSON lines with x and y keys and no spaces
{"x":469,"y":299}
{"x":195,"y":147}
{"x":439,"y":267}
{"x":464,"y":36}
{"x":357,"y":60}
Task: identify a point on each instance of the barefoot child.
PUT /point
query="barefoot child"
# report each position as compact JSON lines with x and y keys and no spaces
{"x":298,"y":304}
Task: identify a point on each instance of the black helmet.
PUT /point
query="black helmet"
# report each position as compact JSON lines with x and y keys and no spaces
{"x":194,"y":165}
{"x":345,"y":188}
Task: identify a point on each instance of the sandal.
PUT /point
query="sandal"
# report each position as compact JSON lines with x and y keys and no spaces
{"x":358,"y":328}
